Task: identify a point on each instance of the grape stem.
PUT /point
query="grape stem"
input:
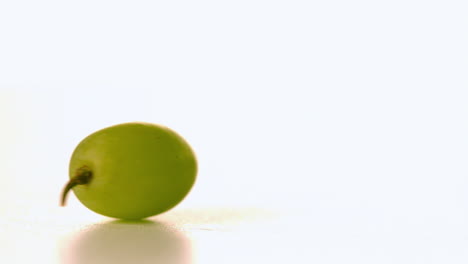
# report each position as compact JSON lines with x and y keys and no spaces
{"x":83,"y":176}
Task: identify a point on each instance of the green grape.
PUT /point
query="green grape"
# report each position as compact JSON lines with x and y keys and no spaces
{"x":131,"y":170}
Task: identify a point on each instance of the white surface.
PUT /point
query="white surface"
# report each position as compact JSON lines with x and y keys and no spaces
{"x":326,"y":131}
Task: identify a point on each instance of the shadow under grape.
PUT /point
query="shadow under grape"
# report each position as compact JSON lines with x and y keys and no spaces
{"x":124,"y":241}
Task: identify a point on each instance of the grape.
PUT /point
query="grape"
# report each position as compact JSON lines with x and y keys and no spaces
{"x":131,"y":170}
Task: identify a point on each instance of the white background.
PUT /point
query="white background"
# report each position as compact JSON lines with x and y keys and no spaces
{"x":326,"y":131}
